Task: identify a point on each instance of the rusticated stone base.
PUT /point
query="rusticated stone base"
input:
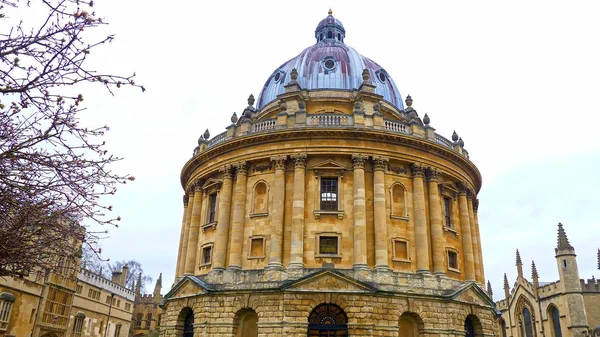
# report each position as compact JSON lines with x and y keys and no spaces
{"x":374,"y":303}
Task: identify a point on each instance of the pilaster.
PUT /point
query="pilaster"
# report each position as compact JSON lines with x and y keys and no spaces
{"x":435,"y":221}
{"x":422,"y":243}
{"x":298,"y":197}
{"x":237,"y":224}
{"x":465,"y":229}
{"x":190,"y":256}
{"x":359,"y":209}
{"x":181,"y":235}
{"x":381,"y":237}
{"x":222,"y":233}
{"x":276,"y":251}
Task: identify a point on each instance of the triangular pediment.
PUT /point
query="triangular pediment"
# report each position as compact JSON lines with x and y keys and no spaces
{"x":187,"y":286}
{"x":472,"y":294}
{"x":329,"y":281}
{"x":212,"y":183}
{"x":329,"y":165}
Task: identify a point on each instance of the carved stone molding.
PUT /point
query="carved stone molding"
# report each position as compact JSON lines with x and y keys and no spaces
{"x":279,"y":162}
{"x":241,"y":167}
{"x":417,"y":170}
{"x":398,"y":169}
{"x":475,"y":205}
{"x":227,"y":171}
{"x":462,"y":187}
{"x":185,"y":199}
{"x":261,"y":168}
{"x":299,"y":160}
{"x":431,"y":173}
{"x":358,"y":161}
{"x":380,"y":163}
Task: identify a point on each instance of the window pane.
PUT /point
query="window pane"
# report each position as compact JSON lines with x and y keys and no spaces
{"x":328,"y":244}
{"x":329,"y":191}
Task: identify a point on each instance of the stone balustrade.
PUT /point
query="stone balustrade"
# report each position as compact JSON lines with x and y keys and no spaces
{"x":333,"y":120}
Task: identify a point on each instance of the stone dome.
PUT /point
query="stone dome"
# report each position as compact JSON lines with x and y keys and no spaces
{"x":330,"y":64}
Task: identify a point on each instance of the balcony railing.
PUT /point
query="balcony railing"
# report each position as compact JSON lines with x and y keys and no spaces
{"x":328,"y":120}
{"x":333,"y":120}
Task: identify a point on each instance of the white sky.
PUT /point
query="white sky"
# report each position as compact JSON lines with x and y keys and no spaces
{"x":517,"y":80}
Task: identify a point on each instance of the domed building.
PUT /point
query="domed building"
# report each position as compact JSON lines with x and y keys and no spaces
{"x":329,"y":207}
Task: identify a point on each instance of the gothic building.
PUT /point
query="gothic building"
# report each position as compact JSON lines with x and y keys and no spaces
{"x":329,"y":207}
{"x":567,"y":307}
{"x":147,"y":312}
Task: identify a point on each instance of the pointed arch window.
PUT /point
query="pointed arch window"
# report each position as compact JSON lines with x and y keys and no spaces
{"x":527,"y":327}
{"x":554,"y":315}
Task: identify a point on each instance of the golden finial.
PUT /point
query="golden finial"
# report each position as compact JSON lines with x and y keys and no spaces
{"x":330,"y":12}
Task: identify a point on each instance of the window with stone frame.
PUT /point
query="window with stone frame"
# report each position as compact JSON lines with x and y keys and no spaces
{"x":447,"y":212}
{"x":452,"y":257}
{"x":329,"y":194}
{"x":148,"y":320}
{"x":78,"y":323}
{"x":6,"y":305}
{"x":118,"y":329}
{"x":138,"y":321}
{"x":329,"y":245}
{"x":212,"y":208}
{"x":206,"y":258}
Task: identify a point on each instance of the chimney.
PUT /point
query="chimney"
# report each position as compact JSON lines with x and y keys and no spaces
{"x":116,"y":277}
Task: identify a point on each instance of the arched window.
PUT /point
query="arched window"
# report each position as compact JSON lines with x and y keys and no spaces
{"x":148,"y":320}
{"x":327,"y":319}
{"x":409,"y":324}
{"x":503,"y":327}
{"x":138,"y":321}
{"x":246,"y":323}
{"x":473,"y":326}
{"x":527,"y":323}
{"x":188,"y":328}
{"x":339,"y":37}
{"x":329,"y":35}
{"x":260,"y":198}
{"x":555,"y":321}
{"x":398,"y":198}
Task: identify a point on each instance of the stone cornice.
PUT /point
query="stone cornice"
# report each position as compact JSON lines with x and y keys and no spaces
{"x":333,"y":133}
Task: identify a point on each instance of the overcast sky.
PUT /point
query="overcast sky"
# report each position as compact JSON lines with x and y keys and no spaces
{"x":517,"y":80}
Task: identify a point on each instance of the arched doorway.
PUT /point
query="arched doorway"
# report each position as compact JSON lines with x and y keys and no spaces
{"x":473,"y":326}
{"x":246,"y":323}
{"x":327,"y":320}
{"x":185,"y":323}
{"x":409,"y":324}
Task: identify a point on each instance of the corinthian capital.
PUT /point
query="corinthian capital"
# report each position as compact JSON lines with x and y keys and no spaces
{"x":227,"y":170}
{"x":475,"y":205}
{"x":431,"y":173}
{"x":380,"y":163}
{"x":299,"y":160}
{"x":358,"y":161}
{"x":241,"y":167}
{"x":279,"y":162}
{"x":463,"y":188}
{"x":417,"y":170}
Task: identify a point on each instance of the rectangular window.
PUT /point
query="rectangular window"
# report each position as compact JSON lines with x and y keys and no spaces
{"x":79,"y":289}
{"x":118,"y":303}
{"x":328,"y":245}
{"x":206,"y":252}
{"x":5,"y":309}
{"x":107,"y":299}
{"x":127,"y":306}
{"x":329,"y":194}
{"x":452,"y":260}
{"x":118,"y":330}
{"x":447,"y":222}
{"x":212,"y":207}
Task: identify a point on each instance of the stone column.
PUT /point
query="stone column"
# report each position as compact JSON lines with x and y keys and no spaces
{"x":474,"y":238}
{"x":186,"y":234}
{"x":297,"y":250}
{"x":238,"y":217}
{"x":479,"y":249}
{"x":435,"y":221}
{"x":422,"y":243}
{"x":222,"y":233}
{"x":465,"y":232}
{"x":380,"y":219}
{"x":178,"y":270}
{"x":359,"y":211}
{"x":190,"y":256}
{"x":276,"y":252}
